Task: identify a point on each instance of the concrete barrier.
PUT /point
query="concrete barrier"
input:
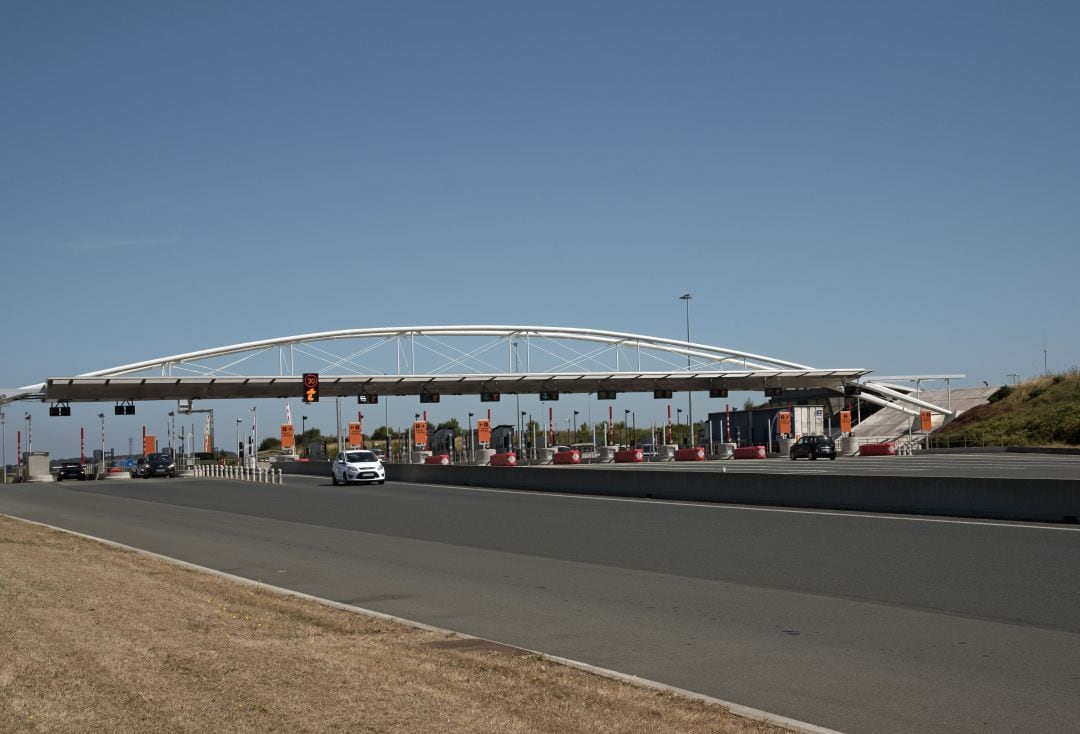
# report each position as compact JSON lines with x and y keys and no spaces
{"x":878,"y":449}
{"x":694,"y":453}
{"x":750,"y":452}
{"x":1044,"y":500}
{"x":629,"y":456}
{"x":567,"y":457}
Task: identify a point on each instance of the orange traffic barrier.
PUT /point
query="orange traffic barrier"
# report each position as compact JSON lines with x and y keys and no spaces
{"x":443,"y":459}
{"x":629,"y":456}
{"x":878,"y":449}
{"x":507,"y":459}
{"x":695,"y":453}
{"x":567,"y":457}
{"x":750,"y":452}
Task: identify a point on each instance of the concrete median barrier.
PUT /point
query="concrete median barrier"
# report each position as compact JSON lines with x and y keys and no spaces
{"x":1045,"y":500}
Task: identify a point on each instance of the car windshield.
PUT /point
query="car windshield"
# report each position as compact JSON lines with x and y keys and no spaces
{"x":157,"y":457}
{"x":824,"y":441}
{"x":357,"y":457}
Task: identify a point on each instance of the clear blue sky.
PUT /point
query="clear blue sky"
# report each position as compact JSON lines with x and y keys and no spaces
{"x":893,"y":186}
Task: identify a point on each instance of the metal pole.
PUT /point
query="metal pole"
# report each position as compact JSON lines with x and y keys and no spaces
{"x":3,"y":440}
{"x":689,"y":393}
{"x":101,"y":468}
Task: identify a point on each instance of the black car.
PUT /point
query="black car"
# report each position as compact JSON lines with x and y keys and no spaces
{"x":70,"y":470}
{"x":812,"y":447}
{"x":156,"y":465}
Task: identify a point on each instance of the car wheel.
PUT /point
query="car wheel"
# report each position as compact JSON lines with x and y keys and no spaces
{"x":812,"y":456}
{"x":333,"y":479}
{"x":792,"y":456}
{"x":832,"y":458}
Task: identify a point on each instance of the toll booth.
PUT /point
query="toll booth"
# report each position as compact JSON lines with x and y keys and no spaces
{"x":442,"y":442}
{"x":502,"y":439}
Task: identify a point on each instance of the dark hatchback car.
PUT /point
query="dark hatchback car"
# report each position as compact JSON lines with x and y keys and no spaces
{"x":813,"y":447}
{"x":156,"y":465}
{"x":70,"y":470}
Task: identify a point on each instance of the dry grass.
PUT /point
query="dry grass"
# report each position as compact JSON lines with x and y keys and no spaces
{"x":96,"y":639}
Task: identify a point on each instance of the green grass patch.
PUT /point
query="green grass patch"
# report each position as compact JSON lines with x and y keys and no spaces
{"x":1044,"y":411}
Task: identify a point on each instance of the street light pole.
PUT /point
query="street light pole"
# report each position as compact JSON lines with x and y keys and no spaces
{"x":254,"y":438}
{"x":689,"y":393}
{"x":626,"y":427}
{"x":3,"y":440}
{"x":101,"y":466}
{"x":239,"y":446}
{"x":575,"y":426}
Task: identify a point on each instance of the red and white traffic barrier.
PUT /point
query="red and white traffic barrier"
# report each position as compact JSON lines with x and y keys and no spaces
{"x":695,"y":453}
{"x":629,"y":456}
{"x":567,"y":457}
{"x":441,"y":459}
{"x":750,"y":452}
{"x":507,"y":459}
{"x":878,"y":449}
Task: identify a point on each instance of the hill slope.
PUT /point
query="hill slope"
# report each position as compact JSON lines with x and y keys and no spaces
{"x":1040,"y":412}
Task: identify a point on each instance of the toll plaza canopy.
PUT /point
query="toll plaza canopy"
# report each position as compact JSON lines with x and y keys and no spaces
{"x":453,"y":360}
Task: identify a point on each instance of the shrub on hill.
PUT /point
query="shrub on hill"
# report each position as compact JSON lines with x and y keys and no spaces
{"x":1040,"y":412}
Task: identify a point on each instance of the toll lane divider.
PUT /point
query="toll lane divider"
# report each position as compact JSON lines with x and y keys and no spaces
{"x":1043,"y":500}
{"x":508,"y":459}
{"x":567,"y":457}
{"x":441,"y":459}
{"x":629,"y":456}
{"x":750,"y":452}
{"x":244,"y":474}
{"x":694,"y":453}
{"x":878,"y":449}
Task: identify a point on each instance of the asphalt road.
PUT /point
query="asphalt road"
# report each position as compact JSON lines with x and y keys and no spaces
{"x":854,"y":622}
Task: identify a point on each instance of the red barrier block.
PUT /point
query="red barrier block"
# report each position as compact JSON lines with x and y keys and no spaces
{"x":443,"y":459}
{"x":567,"y":457}
{"x":878,"y":449}
{"x":696,"y":453}
{"x":507,"y":459}
{"x":629,"y":456}
{"x":750,"y":452}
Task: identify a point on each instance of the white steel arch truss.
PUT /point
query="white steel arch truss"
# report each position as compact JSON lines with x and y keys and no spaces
{"x":466,"y":359}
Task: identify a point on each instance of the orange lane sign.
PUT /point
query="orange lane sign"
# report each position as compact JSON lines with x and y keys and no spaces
{"x":845,"y":421}
{"x":420,"y":432}
{"x":925,"y":420}
{"x":356,"y":435}
{"x":483,"y":430}
{"x":287,"y":438}
{"x":785,"y":422}
{"x":149,"y":444}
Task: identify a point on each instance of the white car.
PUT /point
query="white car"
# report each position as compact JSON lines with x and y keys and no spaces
{"x":357,"y":466}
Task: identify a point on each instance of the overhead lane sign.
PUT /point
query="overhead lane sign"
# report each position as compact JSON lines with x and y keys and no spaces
{"x":311,"y":387}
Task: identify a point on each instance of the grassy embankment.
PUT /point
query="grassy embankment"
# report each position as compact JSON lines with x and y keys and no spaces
{"x":1044,"y":411}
